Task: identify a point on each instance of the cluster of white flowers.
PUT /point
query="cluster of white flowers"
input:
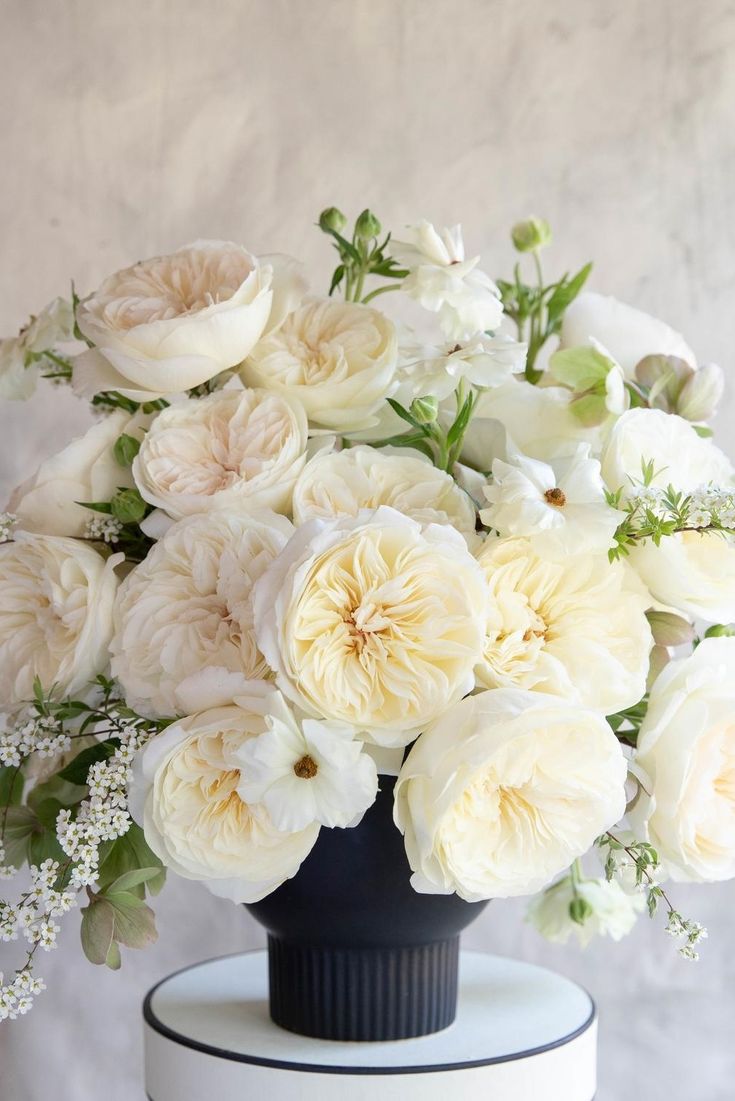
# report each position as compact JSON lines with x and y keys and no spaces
{"x":8,"y":520}
{"x":40,"y":734}
{"x":706,"y":506}
{"x":105,"y":528}
{"x":16,"y":997}
{"x":103,"y":816}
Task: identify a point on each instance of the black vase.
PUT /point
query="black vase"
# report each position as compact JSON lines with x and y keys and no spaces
{"x":354,"y":952}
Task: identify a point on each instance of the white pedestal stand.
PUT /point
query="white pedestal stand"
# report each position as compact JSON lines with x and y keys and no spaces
{"x":522,"y":1034}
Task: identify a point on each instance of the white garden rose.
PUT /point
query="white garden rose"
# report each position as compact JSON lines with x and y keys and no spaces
{"x":185,"y":796}
{"x":56,"y":599}
{"x":336,"y":358}
{"x":240,"y":450}
{"x":343,"y":482}
{"x":686,"y":749}
{"x":575,"y":627}
{"x":692,"y":571}
{"x":504,"y":791}
{"x":188,"y":607}
{"x":628,"y":334}
{"x":680,"y":456}
{"x":373,"y":621}
{"x":172,"y":323}
{"x":53,"y":325}
{"x":444,"y":281}
{"x":85,"y":470}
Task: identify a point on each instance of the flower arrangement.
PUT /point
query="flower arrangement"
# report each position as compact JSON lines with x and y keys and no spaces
{"x":480,"y":540}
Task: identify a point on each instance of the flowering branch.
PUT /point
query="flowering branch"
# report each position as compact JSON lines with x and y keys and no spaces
{"x":361,"y":256}
{"x":654,"y":513}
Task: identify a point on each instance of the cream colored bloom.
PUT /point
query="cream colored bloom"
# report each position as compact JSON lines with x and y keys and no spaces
{"x":680,"y":456}
{"x":56,"y":598}
{"x":185,"y":795}
{"x":613,"y":911}
{"x":627,"y":333}
{"x":575,"y":628}
{"x":484,"y":361}
{"x":373,"y":621}
{"x":85,"y":470}
{"x":337,"y":358}
{"x":504,"y":791}
{"x":442,"y":280}
{"x":54,"y":325}
{"x":343,"y":482}
{"x":171,"y":323}
{"x":188,"y":607}
{"x":692,"y":571}
{"x":686,"y":748}
{"x":236,"y":449}
{"x":561,"y":504}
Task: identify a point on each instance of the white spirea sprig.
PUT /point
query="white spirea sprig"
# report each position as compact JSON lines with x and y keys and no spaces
{"x":708,"y":506}
{"x":105,"y":528}
{"x":7,"y":525}
{"x":40,"y":734}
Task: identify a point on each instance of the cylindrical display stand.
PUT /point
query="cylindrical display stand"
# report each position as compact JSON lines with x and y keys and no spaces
{"x":521,"y":1034}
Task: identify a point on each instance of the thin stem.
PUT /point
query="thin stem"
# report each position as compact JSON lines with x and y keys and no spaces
{"x":381,"y":290}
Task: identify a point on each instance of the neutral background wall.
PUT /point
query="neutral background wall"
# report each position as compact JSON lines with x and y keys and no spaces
{"x":129,"y":129}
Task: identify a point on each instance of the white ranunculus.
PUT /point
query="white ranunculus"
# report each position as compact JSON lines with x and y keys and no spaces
{"x":236,"y":449}
{"x":614,"y":911}
{"x":691,"y":571}
{"x":483,"y":361}
{"x":54,"y":325}
{"x":172,"y":323}
{"x":517,"y":416}
{"x":306,"y":771}
{"x":85,"y":470}
{"x":504,"y":791}
{"x":561,"y":505}
{"x":343,"y":482}
{"x":373,"y":621}
{"x":336,"y":358}
{"x":575,"y":628}
{"x":185,"y":795}
{"x":680,"y":456}
{"x":56,"y":598}
{"x":686,"y":749}
{"x":627,"y":333}
{"x":442,"y":280}
{"x":188,"y":607}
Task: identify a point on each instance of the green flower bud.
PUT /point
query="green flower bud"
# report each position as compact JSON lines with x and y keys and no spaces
{"x":332,"y":219}
{"x":580,"y":910}
{"x":720,"y":630}
{"x":701,"y":393}
{"x":128,"y":506}
{"x":367,"y":225}
{"x":425,"y":410}
{"x":533,"y":234}
{"x":664,"y":377}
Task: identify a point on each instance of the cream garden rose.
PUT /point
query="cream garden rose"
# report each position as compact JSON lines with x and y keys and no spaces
{"x":574,"y":627}
{"x":236,"y":449}
{"x":343,"y":482}
{"x":692,"y":571}
{"x":171,"y":323}
{"x":56,"y":600}
{"x":86,"y":470}
{"x":185,"y":795}
{"x":373,"y":621}
{"x":188,"y":607}
{"x":686,"y":749}
{"x":504,"y":791}
{"x":338,"y":359}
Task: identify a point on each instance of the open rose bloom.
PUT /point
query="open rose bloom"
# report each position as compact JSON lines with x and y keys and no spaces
{"x":306,"y":554}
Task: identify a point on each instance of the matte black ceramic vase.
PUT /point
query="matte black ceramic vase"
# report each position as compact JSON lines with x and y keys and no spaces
{"x":354,"y":952}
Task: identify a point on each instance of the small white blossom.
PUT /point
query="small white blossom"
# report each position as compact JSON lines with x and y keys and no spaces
{"x":7,"y":523}
{"x":103,"y":527}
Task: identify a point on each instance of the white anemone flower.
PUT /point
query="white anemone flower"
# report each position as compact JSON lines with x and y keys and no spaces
{"x":306,"y":771}
{"x":560,"y":504}
{"x":483,"y":361}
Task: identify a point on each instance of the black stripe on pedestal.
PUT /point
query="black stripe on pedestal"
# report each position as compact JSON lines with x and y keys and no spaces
{"x":363,"y":993}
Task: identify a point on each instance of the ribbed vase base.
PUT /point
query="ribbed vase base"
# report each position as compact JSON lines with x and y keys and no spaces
{"x":363,"y":993}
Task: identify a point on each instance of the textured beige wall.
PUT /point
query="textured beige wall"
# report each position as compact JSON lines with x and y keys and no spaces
{"x":128,"y":129}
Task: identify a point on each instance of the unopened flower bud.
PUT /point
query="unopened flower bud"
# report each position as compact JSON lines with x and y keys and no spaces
{"x":367,"y":225}
{"x":580,"y":910}
{"x":701,"y":393}
{"x":669,"y":629}
{"x":665,"y":378}
{"x":332,"y":219}
{"x":533,"y":234}
{"x":425,"y":410}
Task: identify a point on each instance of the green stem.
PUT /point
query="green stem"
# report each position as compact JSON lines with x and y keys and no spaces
{"x":381,"y":290}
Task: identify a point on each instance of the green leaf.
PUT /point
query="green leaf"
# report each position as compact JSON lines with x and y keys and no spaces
{"x":59,"y":789}
{"x":129,"y":853}
{"x":125,"y":449}
{"x":404,"y":414}
{"x":44,"y":846}
{"x":134,"y":921}
{"x":96,"y":506}
{"x":11,"y":786}
{"x":339,"y":274}
{"x":128,"y":506}
{"x":76,"y":771}
{"x":114,"y":959}
{"x":564,"y":294}
{"x":580,"y":368}
{"x":20,"y":823}
{"x":703,"y":431}
{"x":98,"y":927}
{"x":135,"y":878}
{"x":458,"y":429}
